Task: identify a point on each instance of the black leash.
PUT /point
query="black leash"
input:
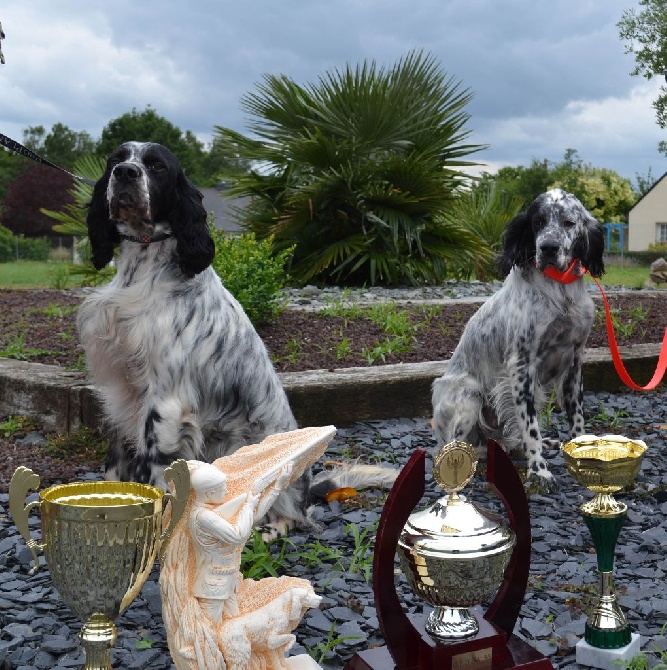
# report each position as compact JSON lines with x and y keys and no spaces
{"x":24,"y":151}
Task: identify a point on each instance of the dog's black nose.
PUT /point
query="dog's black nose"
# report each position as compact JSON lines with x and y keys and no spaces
{"x":549,"y":247}
{"x":126,"y":172}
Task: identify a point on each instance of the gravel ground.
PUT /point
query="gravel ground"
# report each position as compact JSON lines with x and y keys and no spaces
{"x":38,"y":631}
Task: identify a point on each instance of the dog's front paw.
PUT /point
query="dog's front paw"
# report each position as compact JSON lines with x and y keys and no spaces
{"x":541,"y":482}
{"x":550,"y":444}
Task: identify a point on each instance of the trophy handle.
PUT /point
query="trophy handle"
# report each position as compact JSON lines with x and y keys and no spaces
{"x":23,"y":480}
{"x":504,"y":479}
{"x":179,"y":474}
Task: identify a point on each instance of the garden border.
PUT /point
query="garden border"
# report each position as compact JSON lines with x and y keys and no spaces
{"x":63,"y":400}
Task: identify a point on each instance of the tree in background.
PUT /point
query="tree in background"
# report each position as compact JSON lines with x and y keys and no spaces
{"x":11,"y":165}
{"x":357,"y":169}
{"x":607,"y":195}
{"x":645,"y":35}
{"x":36,"y":187}
{"x":204,"y":168}
{"x":61,"y":145}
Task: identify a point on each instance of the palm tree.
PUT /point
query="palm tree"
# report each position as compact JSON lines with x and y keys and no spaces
{"x":485,"y":210}
{"x":72,"y":220}
{"x":356,"y":169}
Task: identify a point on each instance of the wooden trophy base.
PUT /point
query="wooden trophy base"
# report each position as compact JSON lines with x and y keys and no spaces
{"x":518,"y":654}
{"x":487,"y":650}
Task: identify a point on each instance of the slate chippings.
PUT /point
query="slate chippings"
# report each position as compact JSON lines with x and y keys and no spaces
{"x":38,"y":631}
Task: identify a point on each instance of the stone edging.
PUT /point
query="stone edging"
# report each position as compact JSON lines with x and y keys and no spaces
{"x":63,"y":400}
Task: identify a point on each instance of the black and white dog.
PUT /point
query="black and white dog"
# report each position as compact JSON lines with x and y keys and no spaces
{"x":179,"y":368}
{"x":529,"y":338}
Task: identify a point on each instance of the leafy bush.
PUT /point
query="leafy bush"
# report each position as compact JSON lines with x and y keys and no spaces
{"x":251,"y":273}
{"x":7,"y":245}
{"x":645,"y":258}
{"x":27,"y":248}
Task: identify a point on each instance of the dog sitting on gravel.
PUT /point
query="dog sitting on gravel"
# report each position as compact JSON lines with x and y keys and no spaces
{"x":179,"y":368}
{"x":528,"y":338}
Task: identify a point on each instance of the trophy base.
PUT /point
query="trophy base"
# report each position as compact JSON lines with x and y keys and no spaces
{"x":490,"y":649}
{"x":607,"y":659}
{"x":601,"y":638}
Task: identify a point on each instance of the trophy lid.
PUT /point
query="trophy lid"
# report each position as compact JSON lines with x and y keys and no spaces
{"x":453,"y":526}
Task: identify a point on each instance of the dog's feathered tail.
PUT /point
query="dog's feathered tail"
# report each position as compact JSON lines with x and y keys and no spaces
{"x":351,"y":475}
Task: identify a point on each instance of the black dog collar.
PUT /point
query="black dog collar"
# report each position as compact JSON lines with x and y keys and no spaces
{"x":146,"y":239}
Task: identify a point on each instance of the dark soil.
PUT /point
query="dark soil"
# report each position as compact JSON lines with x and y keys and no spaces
{"x":39,"y":326}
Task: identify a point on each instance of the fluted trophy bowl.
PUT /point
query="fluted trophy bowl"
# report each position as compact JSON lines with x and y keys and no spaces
{"x":454,"y":554}
{"x":100,"y":541}
{"x":603,"y":465}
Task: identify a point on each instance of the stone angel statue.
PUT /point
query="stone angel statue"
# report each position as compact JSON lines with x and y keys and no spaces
{"x":216,"y":619}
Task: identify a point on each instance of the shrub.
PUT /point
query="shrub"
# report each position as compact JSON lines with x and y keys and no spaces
{"x":7,"y":245}
{"x":34,"y":248}
{"x":251,"y":273}
{"x":25,"y":248}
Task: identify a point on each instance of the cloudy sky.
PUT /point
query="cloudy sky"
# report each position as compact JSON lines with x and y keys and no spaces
{"x":546,"y":76}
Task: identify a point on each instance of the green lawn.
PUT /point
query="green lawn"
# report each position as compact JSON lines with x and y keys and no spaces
{"x":36,"y":274}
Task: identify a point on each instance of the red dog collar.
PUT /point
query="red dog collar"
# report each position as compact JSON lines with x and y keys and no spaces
{"x":574,"y":272}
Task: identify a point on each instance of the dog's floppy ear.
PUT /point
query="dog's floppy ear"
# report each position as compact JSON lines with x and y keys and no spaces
{"x":518,"y":244}
{"x":589,"y":248}
{"x":194,"y":243}
{"x":102,"y":231}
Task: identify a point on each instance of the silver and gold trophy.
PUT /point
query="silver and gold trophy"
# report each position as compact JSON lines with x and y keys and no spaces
{"x":454,"y":554}
{"x":100,"y":540}
{"x":605,"y":465}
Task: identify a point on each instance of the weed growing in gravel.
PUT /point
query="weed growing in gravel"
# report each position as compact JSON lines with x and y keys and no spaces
{"x":85,"y":444}
{"x":547,"y":412}
{"x":362,"y":554}
{"x":321,"y":650}
{"x":257,"y":559}
{"x":17,"y":425}
{"x":267,"y":559}
{"x":609,"y":419}
{"x":655,"y":659}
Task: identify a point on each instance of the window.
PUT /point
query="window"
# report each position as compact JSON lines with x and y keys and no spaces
{"x":661,"y":233}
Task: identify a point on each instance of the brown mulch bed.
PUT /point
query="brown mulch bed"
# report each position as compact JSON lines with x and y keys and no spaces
{"x":39,"y":326}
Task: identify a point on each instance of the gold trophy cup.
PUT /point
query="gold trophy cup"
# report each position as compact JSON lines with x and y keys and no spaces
{"x":604,"y":465}
{"x":100,"y":540}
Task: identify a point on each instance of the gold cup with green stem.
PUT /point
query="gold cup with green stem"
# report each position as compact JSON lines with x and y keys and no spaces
{"x":605,"y":465}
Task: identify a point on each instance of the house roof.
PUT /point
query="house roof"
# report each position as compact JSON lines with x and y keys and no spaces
{"x":657,"y":181}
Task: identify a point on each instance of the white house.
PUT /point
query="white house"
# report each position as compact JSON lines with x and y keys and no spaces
{"x":647,"y":220}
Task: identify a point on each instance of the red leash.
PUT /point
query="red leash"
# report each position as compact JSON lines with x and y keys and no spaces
{"x":576,"y":271}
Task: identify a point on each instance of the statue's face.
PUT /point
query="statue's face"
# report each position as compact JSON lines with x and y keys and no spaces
{"x":217,"y":493}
